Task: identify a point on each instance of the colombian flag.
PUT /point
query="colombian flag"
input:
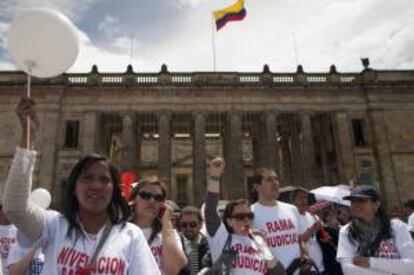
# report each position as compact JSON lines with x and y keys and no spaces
{"x":235,"y":12}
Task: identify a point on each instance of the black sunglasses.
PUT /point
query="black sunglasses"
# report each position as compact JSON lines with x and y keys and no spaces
{"x":147,"y":196}
{"x":188,"y":224}
{"x":243,"y":216}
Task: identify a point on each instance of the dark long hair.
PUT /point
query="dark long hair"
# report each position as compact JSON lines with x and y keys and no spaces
{"x":228,"y":211}
{"x":355,"y":235}
{"x":156,"y":225}
{"x":118,"y":209}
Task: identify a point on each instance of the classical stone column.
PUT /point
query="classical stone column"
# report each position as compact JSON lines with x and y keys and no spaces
{"x":164,"y":146}
{"x":327,"y":147}
{"x":295,"y":150}
{"x":138,"y":144}
{"x":90,"y":130}
{"x":199,"y":156}
{"x":344,"y":147}
{"x":129,"y":149}
{"x":308,"y":151}
{"x":234,"y":173}
{"x":47,"y":163}
{"x":259,"y":143}
{"x":320,"y":129}
{"x":383,"y":156}
{"x":286,"y":172}
{"x":271,"y":149}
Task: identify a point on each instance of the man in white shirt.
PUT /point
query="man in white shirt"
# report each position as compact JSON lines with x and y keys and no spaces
{"x":280,"y":221}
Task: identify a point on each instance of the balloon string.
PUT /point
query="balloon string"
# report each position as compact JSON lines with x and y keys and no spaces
{"x":28,"y":115}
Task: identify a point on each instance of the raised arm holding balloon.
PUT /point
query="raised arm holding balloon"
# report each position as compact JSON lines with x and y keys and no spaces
{"x":95,"y":214}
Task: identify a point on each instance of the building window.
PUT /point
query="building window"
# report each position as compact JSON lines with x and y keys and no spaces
{"x":358,"y":130}
{"x":72,"y":134}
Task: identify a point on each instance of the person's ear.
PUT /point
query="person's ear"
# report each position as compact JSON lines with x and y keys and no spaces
{"x":229,"y":222}
{"x":377,"y":205}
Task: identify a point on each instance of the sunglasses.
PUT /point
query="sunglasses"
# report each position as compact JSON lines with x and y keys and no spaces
{"x":188,"y":224}
{"x":243,"y":216}
{"x":147,"y":196}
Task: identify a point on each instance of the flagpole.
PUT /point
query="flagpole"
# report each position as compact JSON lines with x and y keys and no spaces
{"x":213,"y":41}
{"x":296,"y":49}
{"x":131,"y":51}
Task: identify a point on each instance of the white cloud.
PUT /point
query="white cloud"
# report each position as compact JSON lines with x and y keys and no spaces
{"x":7,"y":66}
{"x":72,"y":8}
{"x":326,"y":32}
{"x":90,"y":54}
{"x":190,"y":3}
{"x":3,"y":29}
{"x":109,"y":26}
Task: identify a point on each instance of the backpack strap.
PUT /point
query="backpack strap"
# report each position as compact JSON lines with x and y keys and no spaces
{"x":102,"y":240}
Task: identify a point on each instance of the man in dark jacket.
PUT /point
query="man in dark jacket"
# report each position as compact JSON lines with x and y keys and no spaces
{"x":194,"y":242}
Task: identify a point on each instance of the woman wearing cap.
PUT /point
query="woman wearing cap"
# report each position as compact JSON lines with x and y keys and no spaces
{"x":154,"y":217}
{"x":372,"y":243}
{"x":92,"y":235}
{"x":232,"y":243}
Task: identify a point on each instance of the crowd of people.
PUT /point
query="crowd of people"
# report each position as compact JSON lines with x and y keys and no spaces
{"x":98,"y":231}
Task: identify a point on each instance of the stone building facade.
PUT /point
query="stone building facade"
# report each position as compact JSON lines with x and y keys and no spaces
{"x":314,"y":128}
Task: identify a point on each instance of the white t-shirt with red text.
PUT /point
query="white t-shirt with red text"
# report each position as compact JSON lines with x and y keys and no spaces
{"x":314,"y":249}
{"x":125,"y":250}
{"x":251,"y":254}
{"x":395,"y":256}
{"x":283,"y":226}
{"x":156,"y":245}
{"x":7,"y":239}
{"x":388,"y":249}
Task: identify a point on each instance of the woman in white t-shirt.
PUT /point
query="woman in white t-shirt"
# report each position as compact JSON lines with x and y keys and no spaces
{"x":372,"y":243}
{"x":154,"y":217}
{"x":251,"y":254}
{"x":92,"y":236}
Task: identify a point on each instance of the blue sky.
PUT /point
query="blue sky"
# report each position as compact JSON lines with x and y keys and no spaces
{"x":179,"y":34}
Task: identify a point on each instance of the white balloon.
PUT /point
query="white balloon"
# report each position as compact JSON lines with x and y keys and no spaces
{"x":41,"y":198}
{"x":45,"y":39}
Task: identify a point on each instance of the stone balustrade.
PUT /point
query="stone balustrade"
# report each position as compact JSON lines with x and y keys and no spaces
{"x":265,"y":78}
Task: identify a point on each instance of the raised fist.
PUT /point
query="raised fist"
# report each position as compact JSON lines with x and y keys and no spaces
{"x":26,"y":109}
{"x":216,"y":167}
